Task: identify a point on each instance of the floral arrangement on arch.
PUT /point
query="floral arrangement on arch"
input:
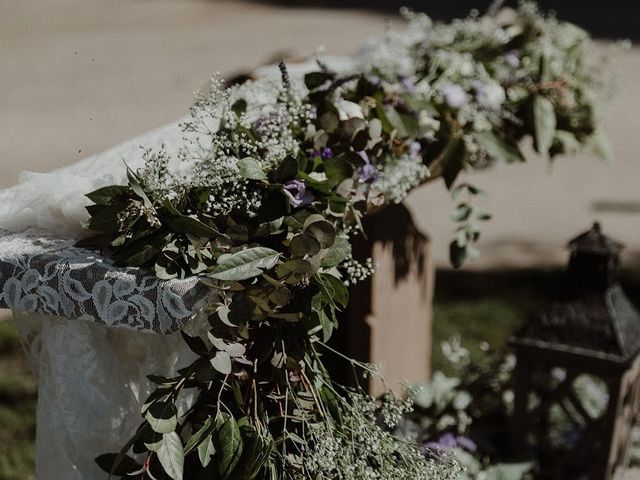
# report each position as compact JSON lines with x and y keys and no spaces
{"x":261,"y":203}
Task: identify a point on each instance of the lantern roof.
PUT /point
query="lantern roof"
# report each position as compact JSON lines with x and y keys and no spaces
{"x":593,"y":241}
{"x":605,"y":325}
{"x":592,"y":318}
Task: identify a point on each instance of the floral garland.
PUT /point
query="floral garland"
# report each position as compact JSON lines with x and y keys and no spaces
{"x":262,"y":201}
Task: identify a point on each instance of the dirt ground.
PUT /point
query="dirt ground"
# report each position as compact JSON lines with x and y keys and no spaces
{"x":79,"y":76}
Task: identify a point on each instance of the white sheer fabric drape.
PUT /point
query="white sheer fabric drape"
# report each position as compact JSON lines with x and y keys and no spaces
{"x":91,"y":385}
{"x":55,"y":201}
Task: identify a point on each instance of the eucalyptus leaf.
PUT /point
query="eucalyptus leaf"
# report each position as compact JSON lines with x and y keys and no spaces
{"x":162,"y":417}
{"x":457,"y":254}
{"x":229,"y":446}
{"x":323,"y":231}
{"x":462,"y":212}
{"x":304,"y":244}
{"x":499,"y":148}
{"x":206,"y":450}
{"x":171,"y":455}
{"x":337,"y":253}
{"x":245,"y":264}
{"x":222,"y":362}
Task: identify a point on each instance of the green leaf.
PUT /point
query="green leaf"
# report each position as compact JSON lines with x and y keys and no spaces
{"x":206,"y":450}
{"x":338,"y":252}
{"x":141,"y":252}
{"x":239,"y":107}
{"x":195,"y":344}
{"x":314,"y":80}
{"x":304,"y":244}
{"x":171,"y":455}
{"x":104,"y":218}
{"x":453,"y":158}
{"x":565,"y":142}
{"x":498,"y":148}
{"x":269,"y":228}
{"x":295,"y":265}
{"x":104,"y":195}
{"x":198,"y":437}
{"x":162,"y":417}
{"x":507,"y":471}
{"x":135,"y":184}
{"x":245,"y":264}
{"x":281,"y":296}
{"x":457,"y":254}
{"x":336,"y":289}
{"x":338,"y":169}
{"x":286,"y":170}
{"x":126,"y":464}
{"x":152,"y":440}
{"x":255,"y":453}
{"x":396,"y":121}
{"x":327,"y":325}
{"x":192,"y":226}
{"x":229,"y":446}
{"x":323,"y":231}
{"x":250,"y":168}
{"x":544,"y":121}
{"x":462,"y":212}
{"x":601,"y":146}
{"x":222,"y":363}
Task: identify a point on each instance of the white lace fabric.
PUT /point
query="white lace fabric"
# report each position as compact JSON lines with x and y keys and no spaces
{"x":45,"y":274}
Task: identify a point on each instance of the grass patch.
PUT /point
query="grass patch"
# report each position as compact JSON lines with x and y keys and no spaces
{"x":17,"y":407}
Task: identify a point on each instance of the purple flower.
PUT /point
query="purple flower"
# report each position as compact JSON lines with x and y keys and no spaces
{"x":408,"y":84}
{"x":414,"y":149}
{"x":449,"y":441}
{"x":363,"y":155}
{"x":376,"y":80}
{"x":512,"y":58}
{"x":326,"y":153}
{"x":262,"y":125}
{"x":298,"y":193}
{"x":467,"y":444}
{"x":367,"y":171}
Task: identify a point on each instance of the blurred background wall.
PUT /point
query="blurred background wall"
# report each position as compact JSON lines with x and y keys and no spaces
{"x":79,"y":76}
{"x":614,"y":19}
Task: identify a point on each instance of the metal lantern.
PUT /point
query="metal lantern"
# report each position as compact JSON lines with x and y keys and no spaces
{"x":577,"y":377}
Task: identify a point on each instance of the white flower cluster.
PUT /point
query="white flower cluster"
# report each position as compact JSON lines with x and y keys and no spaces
{"x":356,"y":271}
{"x":367,"y":452}
{"x":223,"y":128}
{"x":399,"y":176}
